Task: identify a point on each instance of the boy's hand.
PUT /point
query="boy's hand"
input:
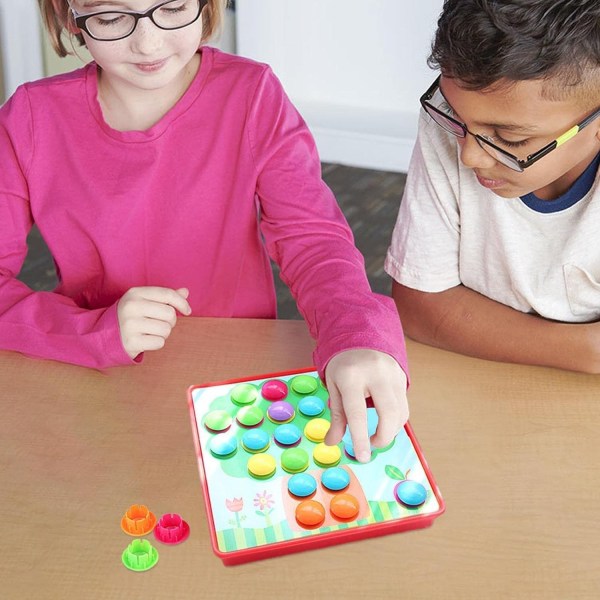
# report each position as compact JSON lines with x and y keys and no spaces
{"x":147,"y":315}
{"x":354,"y":375}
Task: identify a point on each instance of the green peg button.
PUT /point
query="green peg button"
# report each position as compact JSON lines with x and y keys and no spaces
{"x":140,"y":555}
{"x":249,"y":416}
{"x":294,"y":460}
{"x":217,"y":420}
{"x":244,"y":394}
{"x":304,"y":384}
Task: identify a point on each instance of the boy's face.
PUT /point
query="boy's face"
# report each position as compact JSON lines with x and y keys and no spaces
{"x":521,"y":122}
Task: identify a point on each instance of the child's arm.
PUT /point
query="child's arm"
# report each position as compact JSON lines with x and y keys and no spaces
{"x":360,"y":346}
{"x":461,"y":320}
{"x":47,"y":324}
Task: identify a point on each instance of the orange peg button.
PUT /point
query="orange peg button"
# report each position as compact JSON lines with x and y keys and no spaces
{"x":138,"y":520}
{"x":344,"y":506}
{"x":310,"y":513}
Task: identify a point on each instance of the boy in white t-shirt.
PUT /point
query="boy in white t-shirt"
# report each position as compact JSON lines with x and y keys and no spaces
{"x":496,"y":251}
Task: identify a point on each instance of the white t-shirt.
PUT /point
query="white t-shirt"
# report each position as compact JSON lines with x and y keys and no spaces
{"x":451,"y":230}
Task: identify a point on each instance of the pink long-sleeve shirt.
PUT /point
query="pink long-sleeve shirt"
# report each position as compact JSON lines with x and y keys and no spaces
{"x":229,"y":176}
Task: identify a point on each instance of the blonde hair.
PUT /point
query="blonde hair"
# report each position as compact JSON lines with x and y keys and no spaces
{"x":58,"y":19}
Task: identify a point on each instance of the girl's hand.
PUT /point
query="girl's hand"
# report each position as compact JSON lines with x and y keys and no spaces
{"x":147,"y":315}
{"x":354,"y":375}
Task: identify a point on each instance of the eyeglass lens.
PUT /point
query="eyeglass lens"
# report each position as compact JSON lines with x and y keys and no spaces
{"x":455,"y":129}
{"x":446,"y":123}
{"x":500,"y":156}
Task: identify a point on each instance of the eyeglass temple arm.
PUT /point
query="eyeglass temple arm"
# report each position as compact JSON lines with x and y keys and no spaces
{"x":560,"y":140}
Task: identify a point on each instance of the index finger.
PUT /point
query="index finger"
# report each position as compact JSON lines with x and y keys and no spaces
{"x":166,"y":296}
{"x":389,"y":413}
{"x":355,"y":408}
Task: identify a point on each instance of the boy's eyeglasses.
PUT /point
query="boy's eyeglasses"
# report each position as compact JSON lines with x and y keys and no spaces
{"x":436,"y":106}
{"x":112,"y":25}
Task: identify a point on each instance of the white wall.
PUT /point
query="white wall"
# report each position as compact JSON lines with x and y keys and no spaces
{"x":354,"y":68}
{"x":20,"y":43}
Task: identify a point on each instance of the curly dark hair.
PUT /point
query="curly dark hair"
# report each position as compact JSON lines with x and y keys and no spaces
{"x":485,"y":42}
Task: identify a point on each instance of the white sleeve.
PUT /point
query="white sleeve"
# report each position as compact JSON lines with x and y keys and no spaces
{"x":424,"y":251}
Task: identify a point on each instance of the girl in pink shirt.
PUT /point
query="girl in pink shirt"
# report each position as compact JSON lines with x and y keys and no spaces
{"x":163,"y":176}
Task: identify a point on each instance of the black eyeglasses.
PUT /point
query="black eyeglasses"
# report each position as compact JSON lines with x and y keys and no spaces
{"x":451,"y":125}
{"x":109,"y":26}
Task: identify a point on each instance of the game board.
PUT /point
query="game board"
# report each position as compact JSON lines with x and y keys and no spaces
{"x":271,"y":486}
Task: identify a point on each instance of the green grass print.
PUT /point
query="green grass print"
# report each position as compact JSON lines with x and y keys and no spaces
{"x":241,"y":538}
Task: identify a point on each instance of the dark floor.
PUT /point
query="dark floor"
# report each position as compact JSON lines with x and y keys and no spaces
{"x":369,"y":199}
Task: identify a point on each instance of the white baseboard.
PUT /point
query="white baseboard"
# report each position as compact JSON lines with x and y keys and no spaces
{"x":355,"y":149}
{"x":359,"y":137}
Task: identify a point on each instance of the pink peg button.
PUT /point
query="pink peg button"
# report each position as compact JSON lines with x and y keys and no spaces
{"x":274,"y":389}
{"x":171,"y":529}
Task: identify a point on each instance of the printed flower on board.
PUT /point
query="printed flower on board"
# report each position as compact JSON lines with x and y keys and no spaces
{"x":264,"y":501}
{"x":235,"y":505}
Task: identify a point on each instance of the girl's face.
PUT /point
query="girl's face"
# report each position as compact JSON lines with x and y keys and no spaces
{"x":150,"y":58}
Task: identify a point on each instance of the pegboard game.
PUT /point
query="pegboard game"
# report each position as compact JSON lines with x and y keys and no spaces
{"x":271,"y":485}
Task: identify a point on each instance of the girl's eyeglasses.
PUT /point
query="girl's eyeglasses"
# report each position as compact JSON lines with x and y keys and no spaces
{"x":433,"y":103}
{"x":109,"y":26}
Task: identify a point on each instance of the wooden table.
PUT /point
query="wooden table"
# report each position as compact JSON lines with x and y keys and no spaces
{"x":515,"y":451}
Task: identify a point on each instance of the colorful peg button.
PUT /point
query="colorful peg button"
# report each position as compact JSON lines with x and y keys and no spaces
{"x":410,"y":493}
{"x":349,"y":450}
{"x":255,"y":440}
{"x":250,"y":416}
{"x":140,"y":555}
{"x":287,"y":435}
{"x":304,"y":384}
{"x":302,"y":485}
{"x":274,"y":389}
{"x":372,"y":422}
{"x":262,"y":466}
{"x":316,"y":429}
{"x":281,"y":412}
{"x":344,"y":507}
{"x":138,"y":520}
{"x":294,"y":460}
{"x":335,"y":479}
{"x":310,"y":513}
{"x":327,"y":456}
{"x":244,"y":394}
{"x":217,"y":421}
{"x":223,"y":445}
{"x":171,"y":529}
{"x":311,"y":406}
